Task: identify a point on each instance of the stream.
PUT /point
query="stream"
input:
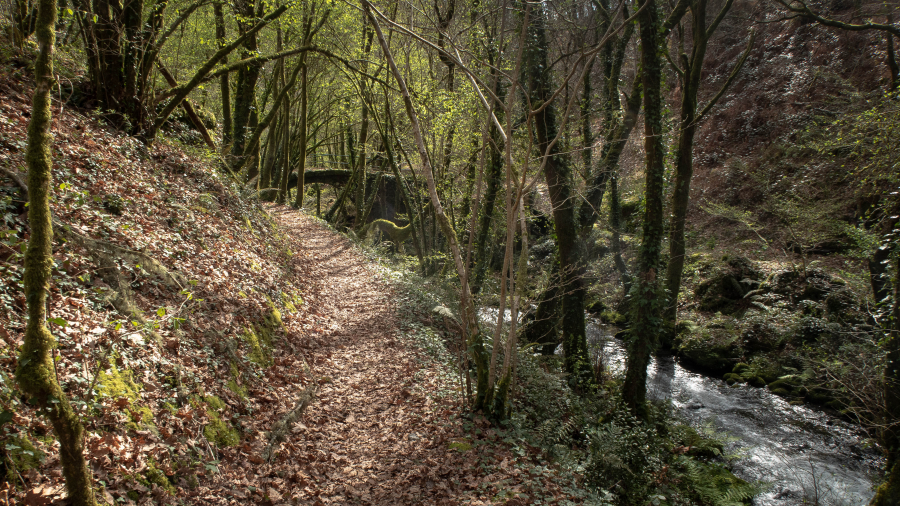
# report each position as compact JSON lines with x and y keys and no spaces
{"x":806,"y":455}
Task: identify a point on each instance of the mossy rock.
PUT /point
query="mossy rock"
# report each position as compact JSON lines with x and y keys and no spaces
{"x":756,"y":381}
{"x":740,"y":367}
{"x":613,"y":317}
{"x":815,"y":285}
{"x":595,"y":306}
{"x":713,"y":348}
{"x":818,"y":395}
{"x":812,"y":329}
{"x":760,"y":335}
{"x":842,"y":305}
{"x":732,"y":378}
{"x":726,"y":285}
{"x":787,"y":387}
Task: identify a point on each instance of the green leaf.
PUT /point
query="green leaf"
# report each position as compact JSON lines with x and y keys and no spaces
{"x":5,"y":417}
{"x":161,"y":312}
{"x":58,"y":321}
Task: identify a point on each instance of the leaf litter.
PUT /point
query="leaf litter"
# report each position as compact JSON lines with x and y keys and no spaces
{"x":178,"y":409}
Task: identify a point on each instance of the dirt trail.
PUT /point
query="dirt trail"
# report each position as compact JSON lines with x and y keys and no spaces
{"x":378,"y":432}
{"x":371,"y":436}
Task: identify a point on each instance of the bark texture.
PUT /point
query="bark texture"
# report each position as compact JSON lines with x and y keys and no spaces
{"x":35,"y":373}
{"x":648,"y":300}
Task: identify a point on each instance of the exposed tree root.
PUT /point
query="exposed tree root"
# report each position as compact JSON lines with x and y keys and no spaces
{"x":283,"y":426}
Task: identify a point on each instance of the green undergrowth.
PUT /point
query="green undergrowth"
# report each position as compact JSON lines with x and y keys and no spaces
{"x":595,"y":452}
{"x":663,"y":461}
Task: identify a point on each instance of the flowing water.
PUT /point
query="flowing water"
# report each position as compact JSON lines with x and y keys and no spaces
{"x":806,"y":455}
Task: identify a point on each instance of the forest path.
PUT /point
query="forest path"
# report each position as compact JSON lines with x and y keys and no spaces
{"x":372,"y":435}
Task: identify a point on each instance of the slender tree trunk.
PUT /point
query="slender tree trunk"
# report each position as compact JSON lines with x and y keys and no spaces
{"x":613,"y":146}
{"x":224,"y":85}
{"x":684,"y":159}
{"x":649,"y":300}
{"x":301,"y":163}
{"x":265,"y":176}
{"x":587,"y":137}
{"x":35,"y":372}
{"x":188,"y":108}
{"x":467,"y":308}
{"x":493,"y":175}
{"x":360,"y":187}
{"x":615,"y":222}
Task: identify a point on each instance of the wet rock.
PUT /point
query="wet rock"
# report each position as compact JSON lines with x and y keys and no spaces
{"x":727,"y":285}
{"x":712,"y":348}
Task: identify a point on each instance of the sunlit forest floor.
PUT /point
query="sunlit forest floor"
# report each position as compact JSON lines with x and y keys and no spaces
{"x":183,"y":399}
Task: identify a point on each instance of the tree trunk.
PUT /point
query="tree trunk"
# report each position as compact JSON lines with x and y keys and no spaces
{"x":613,"y":146}
{"x":684,"y":157}
{"x":684,"y":160}
{"x":224,"y":86}
{"x":301,"y":163}
{"x":888,"y":494}
{"x":615,"y":222}
{"x":35,"y":372}
{"x":359,"y":197}
{"x":649,"y":300}
{"x":467,"y":308}
{"x":558,"y":173}
{"x":493,"y":175}
{"x":245,"y":89}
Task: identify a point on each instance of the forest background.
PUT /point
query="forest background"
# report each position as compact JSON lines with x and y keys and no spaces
{"x":718,"y":178}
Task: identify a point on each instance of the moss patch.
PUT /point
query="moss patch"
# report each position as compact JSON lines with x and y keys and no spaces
{"x":117,"y":384}
{"x":140,"y":417}
{"x":259,"y":336}
{"x":217,"y":431}
{"x":460,"y":446}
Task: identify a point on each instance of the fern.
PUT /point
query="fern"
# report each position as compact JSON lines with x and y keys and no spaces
{"x":714,"y":485}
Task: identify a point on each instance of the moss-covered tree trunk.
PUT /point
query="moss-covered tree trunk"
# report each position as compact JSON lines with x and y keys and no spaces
{"x":684,"y":158}
{"x":359,"y":196}
{"x":558,"y":173}
{"x":648,"y":300}
{"x":35,"y":373}
{"x":888,"y":494}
